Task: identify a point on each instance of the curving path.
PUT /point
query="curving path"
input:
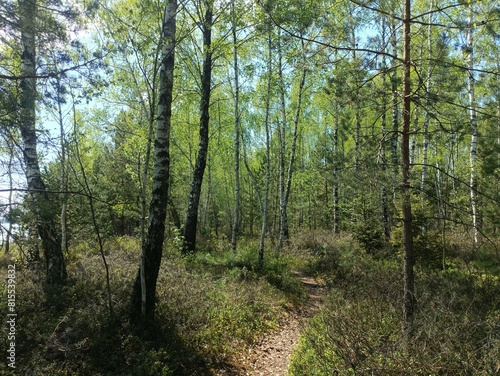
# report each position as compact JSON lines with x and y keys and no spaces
{"x":270,"y":355}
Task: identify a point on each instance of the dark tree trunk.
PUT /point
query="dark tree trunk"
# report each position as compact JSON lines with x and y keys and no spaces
{"x":206,"y":81}
{"x":144,"y":290}
{"x":288,"y":186}
{"x":44,"y":214}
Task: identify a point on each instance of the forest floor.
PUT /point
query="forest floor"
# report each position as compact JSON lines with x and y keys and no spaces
{"x":270,"y":355}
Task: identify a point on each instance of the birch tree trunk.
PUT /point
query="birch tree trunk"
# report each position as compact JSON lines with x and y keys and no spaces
{"x":236,"y":218}
{"x":473,"y":126}
{"x":428,"y":86}
{"x":11,"y":189}
{"x":265,"y":203}
{"x":201,"y":161}
{"x":64,"y":231}
{"x":383,"y":194}
{"x":395,"y":102}
{"x":409,"y":256}
{"x":283,"y":226}
{"x":44,"y":214}
{"x":285,"y":186}
{"x":292,"y":153}
{"x":144,"y":290}
{"x":336,"y":154}
{"x":356,"y":105}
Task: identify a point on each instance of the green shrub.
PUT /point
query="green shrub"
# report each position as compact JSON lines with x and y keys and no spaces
{"x":359,"y":331}
{"x":208,"y":307}
{"x":369,"y":235}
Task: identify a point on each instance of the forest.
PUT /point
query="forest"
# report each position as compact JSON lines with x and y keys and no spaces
{"x":250,"y":187}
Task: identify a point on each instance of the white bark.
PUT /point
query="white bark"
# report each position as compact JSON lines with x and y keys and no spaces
{"x":43,"y":210}
{"x":236,"y":217}
{"x":473,"y":126}
{"x":144,"y":293}
{"x":265,"y":202}
{"x":428,"y":86}
{"x":408,"y":249}
{"x":282,"y":132}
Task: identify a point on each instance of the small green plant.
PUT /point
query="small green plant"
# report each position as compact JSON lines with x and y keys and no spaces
{"x":359,"y":331}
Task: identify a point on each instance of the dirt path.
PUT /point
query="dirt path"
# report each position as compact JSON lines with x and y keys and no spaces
{"x":271,"y":354}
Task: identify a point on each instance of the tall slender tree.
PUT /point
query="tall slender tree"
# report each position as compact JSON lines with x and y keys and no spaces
{"x":427,"y":118}
{"x":237,"y":194}
{"x":286,"y":174}
{"x":191,"y":223}
{"x":44,"y":214}
{"x":409,"y":256}
{"x":383,"y":194}
{"x":144,"y":290}
{"x":265,"y":201}
{"x":473,"y":124}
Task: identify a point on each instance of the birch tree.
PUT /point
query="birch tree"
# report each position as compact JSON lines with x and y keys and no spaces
{"x":265,"y":203}
{"x":473,"y":123}
{"x":191,"y":223}
{"x":144,"y":290}
{"x":237,"y":198}
{"x":51,"y":243}
{"x":409,"y":256}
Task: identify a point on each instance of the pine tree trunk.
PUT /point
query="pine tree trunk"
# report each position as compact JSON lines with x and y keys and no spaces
{"x":206,"y":81}
{"x":144,"y":290}
{"x":44,"y":214}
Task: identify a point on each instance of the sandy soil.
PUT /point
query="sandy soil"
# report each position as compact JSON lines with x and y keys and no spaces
{"x":270,"y":355}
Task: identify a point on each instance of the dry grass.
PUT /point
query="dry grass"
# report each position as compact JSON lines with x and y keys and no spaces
{"x":202,"y":317}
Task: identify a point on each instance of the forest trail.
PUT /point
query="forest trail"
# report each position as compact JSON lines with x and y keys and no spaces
{"x":270,"y":355}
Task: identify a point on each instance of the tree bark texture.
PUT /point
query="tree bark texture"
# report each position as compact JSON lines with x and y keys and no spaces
{"x":44,"y":213}
{"x":395,"y":103}
{"x":283,"y":225}
{"x":143,"y":302}
{"x":383,"y":194}
{"x":288,"y":186}
{"x":473,"y":127}
{"x":428,"y":86}
{"x":409,"y":256}
{"x":236,"y":217}
{"x":265,"y":203}
{"x":201,"y":161}
{"x":336,"y":168}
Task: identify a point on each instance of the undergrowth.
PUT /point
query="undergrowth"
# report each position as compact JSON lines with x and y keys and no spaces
{"x":210,"y":306}
{"x":359,"y":331}
{"x":213,"y":304}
